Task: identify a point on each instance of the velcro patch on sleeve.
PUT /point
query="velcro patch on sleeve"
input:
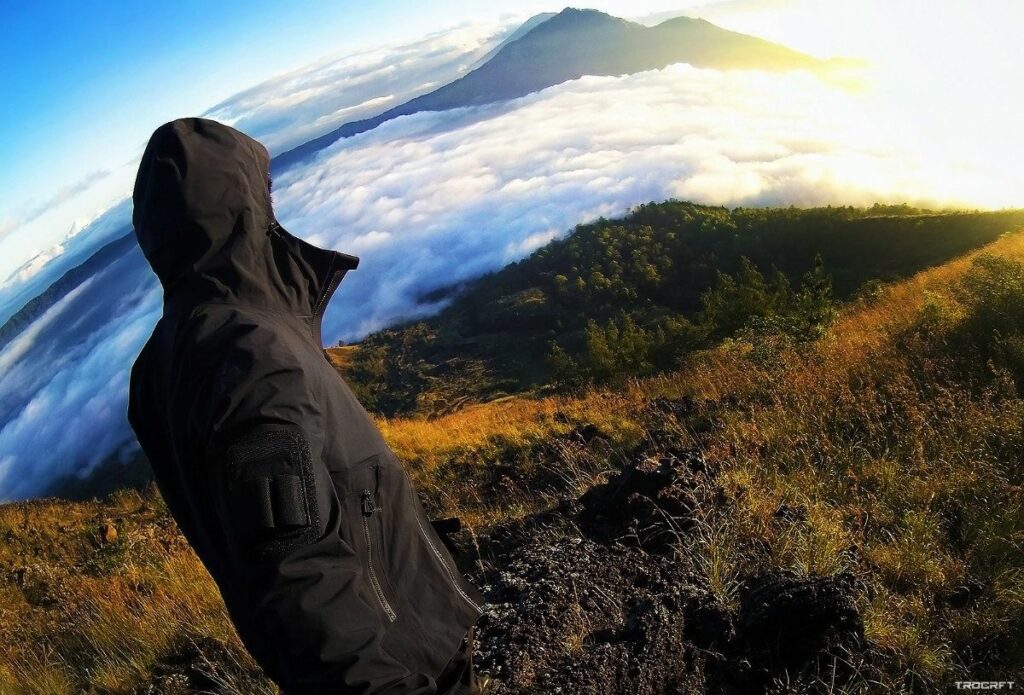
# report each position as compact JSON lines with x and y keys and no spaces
{"x":271,"y":489}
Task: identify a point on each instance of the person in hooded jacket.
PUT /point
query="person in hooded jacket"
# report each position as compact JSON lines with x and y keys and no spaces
{"x":329,"y":568}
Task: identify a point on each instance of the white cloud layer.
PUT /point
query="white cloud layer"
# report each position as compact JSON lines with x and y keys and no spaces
{"x":64,"y":384}
{"x":436,"y":198}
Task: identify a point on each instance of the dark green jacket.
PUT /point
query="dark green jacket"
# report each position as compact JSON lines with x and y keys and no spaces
{"x":279,"y":479}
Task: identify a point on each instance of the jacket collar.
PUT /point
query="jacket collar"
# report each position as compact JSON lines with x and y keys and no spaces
{"x":324,"y":269}
{"x":327,"y":269}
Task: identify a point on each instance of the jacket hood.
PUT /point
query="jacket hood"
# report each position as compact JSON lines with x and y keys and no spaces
{"x":204,"y":221}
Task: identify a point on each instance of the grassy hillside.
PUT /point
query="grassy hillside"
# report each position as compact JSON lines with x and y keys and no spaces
{"x":636,"y":296}
{"x":883,"y":456}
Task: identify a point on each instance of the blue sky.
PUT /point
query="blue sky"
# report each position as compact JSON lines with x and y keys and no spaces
{"x":78,"y":65}
{"x":88,"y":76}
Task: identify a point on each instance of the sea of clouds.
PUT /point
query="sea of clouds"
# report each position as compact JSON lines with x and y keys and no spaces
{"x":433,"y":199}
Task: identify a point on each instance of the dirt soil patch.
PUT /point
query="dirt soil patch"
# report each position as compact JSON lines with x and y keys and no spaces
{"x":589,"y":597}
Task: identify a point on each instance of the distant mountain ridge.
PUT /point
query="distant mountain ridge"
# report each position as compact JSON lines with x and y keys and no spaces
{"x":569,"y":45}
{"x":59,"y":288}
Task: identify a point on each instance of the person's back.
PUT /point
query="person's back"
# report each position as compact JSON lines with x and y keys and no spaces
{"x":276,"y":475}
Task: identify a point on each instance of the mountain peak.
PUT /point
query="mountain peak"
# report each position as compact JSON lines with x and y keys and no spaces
{"x":581,"y":12}
{"x":574,"y":16}
{"x":684,"y":19}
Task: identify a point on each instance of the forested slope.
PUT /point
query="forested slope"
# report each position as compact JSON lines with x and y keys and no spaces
{"x":637,"y":295}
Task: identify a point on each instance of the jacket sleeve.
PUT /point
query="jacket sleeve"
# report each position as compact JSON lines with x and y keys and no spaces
{"x":294,"y":584}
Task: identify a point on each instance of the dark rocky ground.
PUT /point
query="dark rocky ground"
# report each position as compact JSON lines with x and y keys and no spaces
{"x":594,"y":596}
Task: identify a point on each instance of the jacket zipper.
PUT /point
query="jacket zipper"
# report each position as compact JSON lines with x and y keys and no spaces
{"x":368,"y":506}
{"x":316,"y":317}
{"x":447,"y":567}
{"x":332,"y":285}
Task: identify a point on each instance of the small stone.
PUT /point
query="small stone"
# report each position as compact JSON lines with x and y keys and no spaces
{"x":108,"y":532}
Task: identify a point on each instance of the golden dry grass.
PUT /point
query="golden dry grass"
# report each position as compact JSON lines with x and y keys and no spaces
{"x":81,"y":614}
{"x":341,"y":357}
